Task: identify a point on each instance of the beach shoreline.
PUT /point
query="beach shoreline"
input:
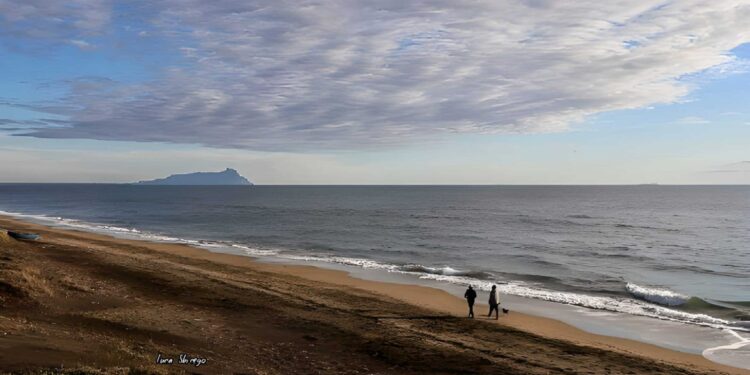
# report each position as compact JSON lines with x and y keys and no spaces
{"x":183,"y":261}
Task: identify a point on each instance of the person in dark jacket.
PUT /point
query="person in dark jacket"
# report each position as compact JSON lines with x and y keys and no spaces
{"x":470,"y":296}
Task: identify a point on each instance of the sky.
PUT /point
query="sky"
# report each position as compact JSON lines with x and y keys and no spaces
{"x":377,"y":92}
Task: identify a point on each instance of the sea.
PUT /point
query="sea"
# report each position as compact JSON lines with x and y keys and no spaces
{"x":668,"y":259}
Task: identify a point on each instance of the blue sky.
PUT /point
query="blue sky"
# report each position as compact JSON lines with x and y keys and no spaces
{"x":297,"y":93}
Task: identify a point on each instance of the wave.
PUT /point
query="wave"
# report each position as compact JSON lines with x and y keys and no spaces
{"x":61,"y":221}
{"x":363,"y":263}
{"x":579,"y":216}
{"x":619,"y":252}
{"x":630,"y":226}
{"x":691,"y":304}
{"x":606,"y":303}
{"x":536,"y":259}
{"x":138,"y":234}
{"x":696,"y":269}
{"x":549,"y":223}
{"x":742,"y":325}
{"x":614,"y":304}
{"x":649,"y":302}
{"x":639,"y":258}
{"x":663,"y":297}
{"x":445,"y":270}
{"x":254,"y":251}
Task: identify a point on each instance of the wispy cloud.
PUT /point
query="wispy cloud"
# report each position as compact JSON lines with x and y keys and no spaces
{"x":54,"y":20}
{"x":692,"y":120}
{"x":742,"y":167}
{"x":281,"y":75}
{"x":82,"y":44}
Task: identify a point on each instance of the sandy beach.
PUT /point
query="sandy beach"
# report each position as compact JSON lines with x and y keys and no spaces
{"x":77,"y":301}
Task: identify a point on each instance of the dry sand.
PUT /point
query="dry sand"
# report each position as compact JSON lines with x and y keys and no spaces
{"x":83,"y":302}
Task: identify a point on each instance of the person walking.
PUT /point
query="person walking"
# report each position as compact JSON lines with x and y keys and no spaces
{"x":494,"y":302}
{"x":470,"y":296}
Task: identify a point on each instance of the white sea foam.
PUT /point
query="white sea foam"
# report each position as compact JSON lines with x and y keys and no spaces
{"x":736,"y":354}
{"x":364,"y":263}
{"x":444,"y":270}
{"x":254,"y":251}
{"x":30,"y":216}
{"x":657,"y":295}
{"x":119,"y":229}
{"x":135,"y":233}
{"x":605,"y":303}
{"x":71,"y":223}
{"x":614,"y":304}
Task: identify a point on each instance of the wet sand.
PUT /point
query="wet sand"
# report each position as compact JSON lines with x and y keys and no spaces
{"x":78,"y":301}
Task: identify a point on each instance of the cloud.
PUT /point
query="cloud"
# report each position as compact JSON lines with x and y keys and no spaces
{"x":53,"y":20}
{"x":289,"y":75}
{"x":692,"y":120}
{"x":741,"y":167}
{"x":81,"y":44}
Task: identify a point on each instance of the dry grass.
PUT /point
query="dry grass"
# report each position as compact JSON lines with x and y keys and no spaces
{"x":19,"y":284}
{"x":75,"y":284}
{"x":32,"y":282}
{"x":5,"y":239}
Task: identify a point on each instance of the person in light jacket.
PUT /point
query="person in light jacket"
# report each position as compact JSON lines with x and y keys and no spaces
{"x":494,"y":302}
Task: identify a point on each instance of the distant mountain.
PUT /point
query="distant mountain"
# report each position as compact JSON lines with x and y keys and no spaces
{"x":228,"y":176}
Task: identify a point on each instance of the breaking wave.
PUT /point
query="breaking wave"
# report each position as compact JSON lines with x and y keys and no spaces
{"x":516,"y":288}
{"x":663,"y":297}
{"x":138,"y":234}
